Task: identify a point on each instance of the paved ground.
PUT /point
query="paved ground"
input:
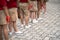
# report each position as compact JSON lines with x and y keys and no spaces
{"x":48,"y":28}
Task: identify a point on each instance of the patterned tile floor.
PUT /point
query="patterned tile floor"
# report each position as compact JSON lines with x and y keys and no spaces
{"x":48,"y":28}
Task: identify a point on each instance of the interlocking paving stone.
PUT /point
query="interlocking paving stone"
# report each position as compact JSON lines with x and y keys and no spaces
{"x":48,"y":28}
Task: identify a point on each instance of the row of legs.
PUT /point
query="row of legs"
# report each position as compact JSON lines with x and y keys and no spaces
{"x":32,"y":15}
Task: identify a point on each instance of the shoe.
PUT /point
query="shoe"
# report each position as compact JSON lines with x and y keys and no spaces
{"x":18,"y":33}
{"x":22,"y":25}
{"x":30,"y":20}
{"x":41,"y":12}
{"x":35,"y":21}
{"x":27,"y":26}
{"x":39,"y":18}
{"x":10,"y":33}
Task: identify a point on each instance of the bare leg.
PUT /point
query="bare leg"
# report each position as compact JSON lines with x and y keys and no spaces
{"x":27,"y":15}
{"x":39,"y":9}
{"x":22,"y":19}
{"x":1,"y":33}
{"x":26,"y":20}
{"x":44,"y":6}
{"x":5,"y":30}
{"x":34,"y":15}
{"x":15,"y":27}
{"x":10,"y":26}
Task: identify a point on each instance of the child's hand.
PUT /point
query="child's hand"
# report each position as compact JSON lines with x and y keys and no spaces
{"x":30,"y":6}
{"x":8,"y":18}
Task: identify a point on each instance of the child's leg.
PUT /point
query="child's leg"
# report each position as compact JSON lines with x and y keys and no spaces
{"x":10,"y":27}
{"x":39,"y":10}
{"x":22,"y":17}
{"x":27,"y":15}
{"x":32,"y":15}
{"x":1,"y":38}
{"x":26,"y":20}
{"x":36,"y":15}
{"x":38,"y":4}
{"x":3,"y":25}
{"x":44,"y":6}
{"x":15,"y":27}
{"x":5,"y":31}
{"x":13,"y":12}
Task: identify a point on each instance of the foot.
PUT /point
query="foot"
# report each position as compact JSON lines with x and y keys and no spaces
{"x":22,"y":25}
{"x":10,"y":33}
{"x":39,"y":18}
{"x":18,"y":33}
{"x":27,"y":26}
{"x":35,"y":21}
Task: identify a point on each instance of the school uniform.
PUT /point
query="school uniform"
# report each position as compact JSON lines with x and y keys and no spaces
{"x":2,"y":13}
{"x":40,"y":4}
{"x":12,"y":8}
{"x":34,"y":5}
{"x":24,"y":6}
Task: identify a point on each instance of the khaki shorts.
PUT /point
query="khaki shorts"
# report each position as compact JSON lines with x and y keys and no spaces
{"x":2,"y":18}
{"x":34,"y":8}
{"x":43,"y":1}
{"x":13,"y":14}
{"x":24,"y":8}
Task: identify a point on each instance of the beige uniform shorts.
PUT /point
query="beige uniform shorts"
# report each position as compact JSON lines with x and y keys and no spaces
{"x":24,"y":8}
{"x":34,"y":8}
{"x":13,"y":14}
{"x":2,"y":18}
